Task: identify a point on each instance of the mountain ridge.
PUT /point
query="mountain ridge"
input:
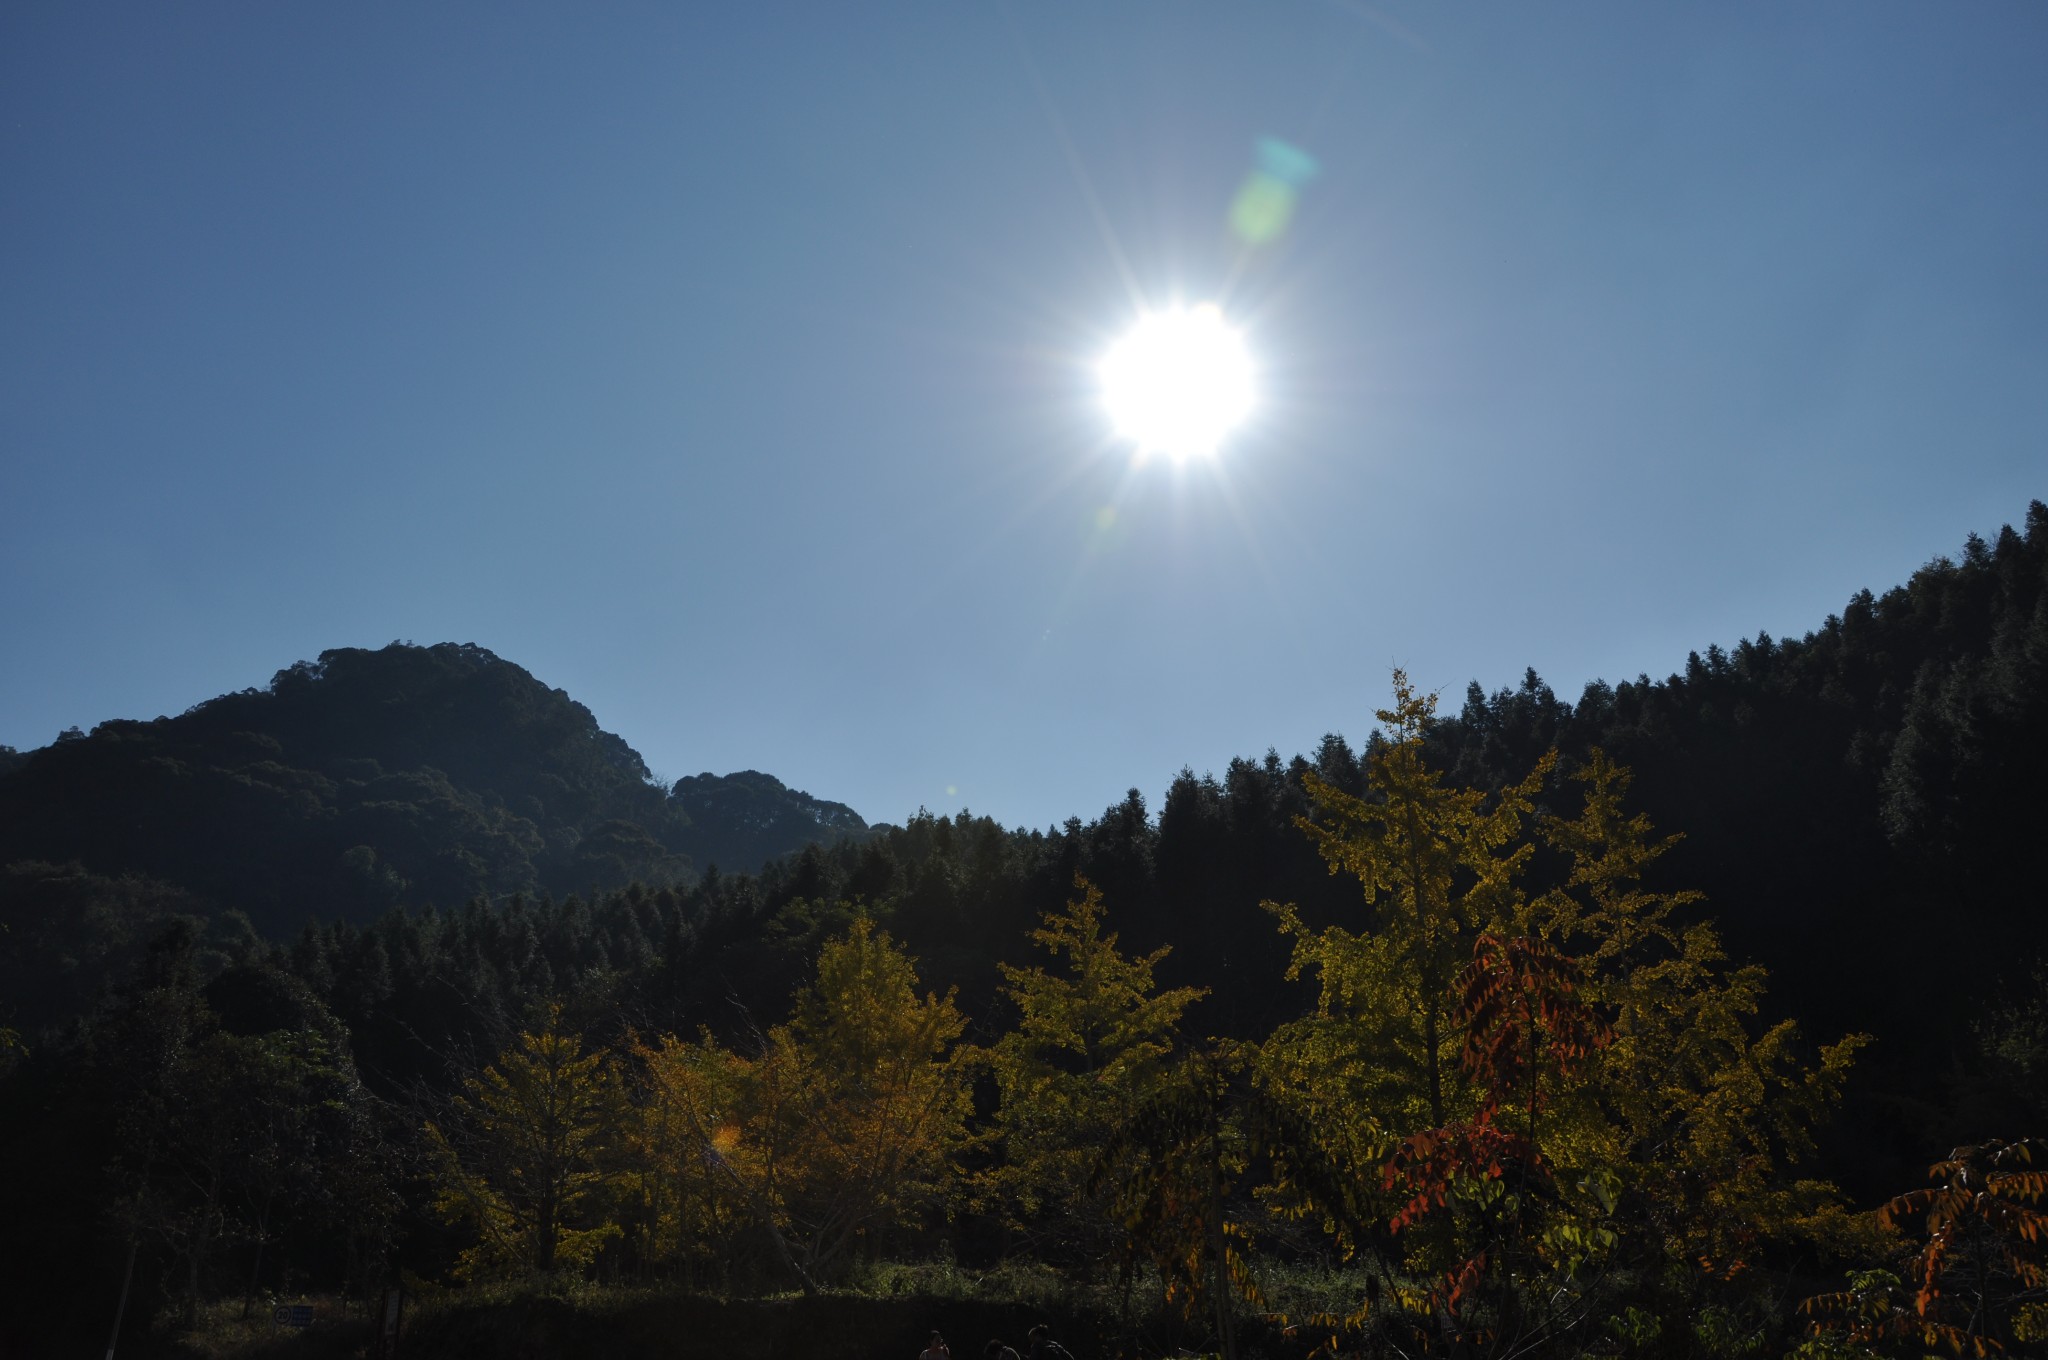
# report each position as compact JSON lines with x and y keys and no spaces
{"x":1868,"y":783}
{"x":405,"y":775}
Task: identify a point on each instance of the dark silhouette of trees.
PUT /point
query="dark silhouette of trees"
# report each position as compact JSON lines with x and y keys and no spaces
{"x":242,"y":950}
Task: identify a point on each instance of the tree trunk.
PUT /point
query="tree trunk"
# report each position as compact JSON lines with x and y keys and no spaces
{"x":262,"y":1241}
{"x":255,"y":1272}
{"x":1426,"y":979}
{"x":192,"y":1289}
{"x":1219,"y":1247}
{"x":765,"y":1213}
{"x":121,"y":1308}
{"x":1436,"y":1074}
{"x":545,"y":1228}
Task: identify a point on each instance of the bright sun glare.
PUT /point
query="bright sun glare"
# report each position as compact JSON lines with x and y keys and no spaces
{"x":1178,"y":383}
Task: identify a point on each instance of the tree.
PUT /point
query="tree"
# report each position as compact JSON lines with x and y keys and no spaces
{"x":1175,"y":1169}
{"x":1979,"y":1281}
{"x":1525,"y":1020}
{"x":529,"y":1155}
{"x":1438,"y":866}
{"x":844,"y":1121}
{"x":1091,"y":1044}
{"x":231,"y":1126}
{"x":276,"y":1080}
{"x":1609,"y":1080}
{"x":706,"y":1155}
{"x":11,"y":1047}
{"x":880,"y":1102}
{"x":1695,"y":1106}
{"x":1376,"y":1062}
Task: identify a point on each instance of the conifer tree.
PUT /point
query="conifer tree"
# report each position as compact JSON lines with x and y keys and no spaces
{"x":529,"y":1156}
{"x":1091,"y":1044}
{"x":880,"y":1100}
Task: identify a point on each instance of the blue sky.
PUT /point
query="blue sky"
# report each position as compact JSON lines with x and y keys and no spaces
{"x":730,"y":367}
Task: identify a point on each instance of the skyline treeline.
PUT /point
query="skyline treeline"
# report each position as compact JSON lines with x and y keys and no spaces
{"x":1514,"y":1091}
{"x":1857,"y":806}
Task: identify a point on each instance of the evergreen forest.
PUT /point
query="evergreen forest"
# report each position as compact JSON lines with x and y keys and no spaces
{"x":1704,"y":1016}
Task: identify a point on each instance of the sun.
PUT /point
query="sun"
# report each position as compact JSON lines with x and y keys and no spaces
{"x":1178,"y":383}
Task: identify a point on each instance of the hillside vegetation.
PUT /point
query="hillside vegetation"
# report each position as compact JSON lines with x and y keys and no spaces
{"x":367,"y":780}
{"x":1449,"y":1022}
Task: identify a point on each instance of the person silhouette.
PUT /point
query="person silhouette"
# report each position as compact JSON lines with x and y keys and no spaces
{"x":937,"y":1350}
{"x":1043,"y":1347}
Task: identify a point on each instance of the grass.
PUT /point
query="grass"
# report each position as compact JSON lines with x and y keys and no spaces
{"x":887,"y":1312}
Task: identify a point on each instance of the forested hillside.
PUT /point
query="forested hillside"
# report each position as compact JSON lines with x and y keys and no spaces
{"x":368,"y":780}
{"x":1444,"y":1010}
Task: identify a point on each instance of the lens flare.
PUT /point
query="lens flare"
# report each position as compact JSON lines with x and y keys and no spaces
{"x":1265,"y":205}
{"x":1178,"y":383}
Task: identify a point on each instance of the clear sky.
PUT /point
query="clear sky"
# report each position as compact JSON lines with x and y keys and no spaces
{"x":732,"y":366}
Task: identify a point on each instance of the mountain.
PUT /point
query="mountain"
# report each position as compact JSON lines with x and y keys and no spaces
{"x":371,"y":779}
{"x":1861,"y":805}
